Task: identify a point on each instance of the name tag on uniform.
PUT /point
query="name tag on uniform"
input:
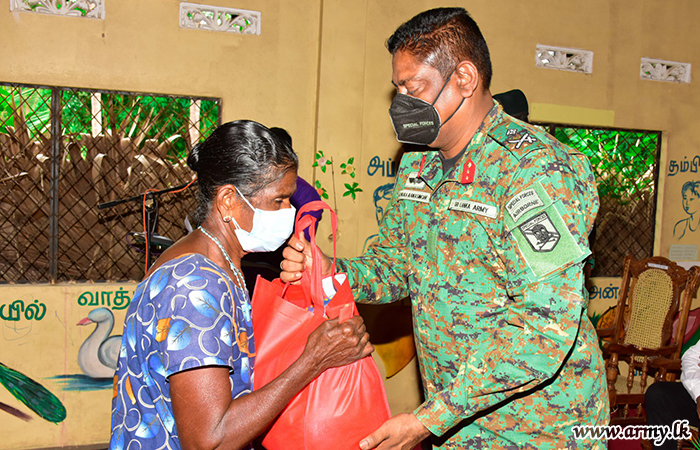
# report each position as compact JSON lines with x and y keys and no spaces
{"x":414,"y":182}
{"x":416,"y":196}
{"x":523,"y":202}
{"x":481,"y":209}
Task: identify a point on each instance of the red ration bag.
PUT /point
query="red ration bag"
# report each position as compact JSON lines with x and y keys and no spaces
{"x":344,"y":404}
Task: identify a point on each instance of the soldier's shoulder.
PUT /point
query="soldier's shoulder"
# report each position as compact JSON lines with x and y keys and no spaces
{"x":522,"y":140}
{"x":410,"y":158}
{"x":411,"y":161}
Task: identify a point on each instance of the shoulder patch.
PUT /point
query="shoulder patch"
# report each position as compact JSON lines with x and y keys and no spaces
{"x":540,"y":233}
{"x":518,"y":137}
{"x":523,"y":202}
{"x":545,"y":243}
{"x":526,"y":203}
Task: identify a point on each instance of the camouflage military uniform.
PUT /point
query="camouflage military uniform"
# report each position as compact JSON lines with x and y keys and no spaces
{"x":492,"y":260}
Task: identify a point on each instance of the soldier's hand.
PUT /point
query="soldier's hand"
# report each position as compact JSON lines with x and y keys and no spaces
{"x":401,"y":432}
{"x":297,"y":257}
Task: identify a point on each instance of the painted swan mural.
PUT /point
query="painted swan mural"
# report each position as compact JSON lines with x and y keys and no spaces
{"x":98,"y":355}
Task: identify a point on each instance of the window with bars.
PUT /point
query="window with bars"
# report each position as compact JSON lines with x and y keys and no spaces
{"x":626,"y":166}
{"x":65,"y":151}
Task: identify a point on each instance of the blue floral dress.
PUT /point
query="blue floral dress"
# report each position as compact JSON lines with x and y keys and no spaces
{"x":186,"y":314}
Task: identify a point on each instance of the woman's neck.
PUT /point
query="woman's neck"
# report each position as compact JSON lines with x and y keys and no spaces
{"x":223,"y":232}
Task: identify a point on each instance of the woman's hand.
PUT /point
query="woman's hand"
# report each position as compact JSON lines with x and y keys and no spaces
{"x":297,"y":257}
{"x":207,"y":418}
{"x":335,"y":344}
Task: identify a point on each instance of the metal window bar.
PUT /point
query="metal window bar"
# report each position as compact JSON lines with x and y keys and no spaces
{"x":66,"y":150}
{"x":626,"y":164}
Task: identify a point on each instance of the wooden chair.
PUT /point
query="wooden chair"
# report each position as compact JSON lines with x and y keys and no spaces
{"x":654,"y":291}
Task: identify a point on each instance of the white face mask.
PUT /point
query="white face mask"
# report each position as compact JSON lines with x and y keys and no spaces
{"x":270,"y":229}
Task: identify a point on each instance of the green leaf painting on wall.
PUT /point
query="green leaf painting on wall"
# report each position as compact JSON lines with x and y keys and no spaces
{"x":321,"y":161}
{"x":352,"y":190}
{"x":322,"y":192}
{"x":348,"y":167}
{"x":35,"y":396}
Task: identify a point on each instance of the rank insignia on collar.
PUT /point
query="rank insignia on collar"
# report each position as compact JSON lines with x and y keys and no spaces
{"x":468,"y":172}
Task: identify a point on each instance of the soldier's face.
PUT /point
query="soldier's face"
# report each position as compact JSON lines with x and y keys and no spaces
{"x":412,"y":77}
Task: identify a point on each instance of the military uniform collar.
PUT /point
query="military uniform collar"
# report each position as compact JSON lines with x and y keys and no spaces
{"x":463,"y":172}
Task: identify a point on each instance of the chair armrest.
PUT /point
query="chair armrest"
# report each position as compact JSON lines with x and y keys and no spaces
{"x":605,"y":332}
{"x":626,"y":349}
{"x":665,"y":363}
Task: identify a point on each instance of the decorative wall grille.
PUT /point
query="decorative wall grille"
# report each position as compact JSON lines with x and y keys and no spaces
{"x":659,"y":70}
{"x":561,"y":58}
{"x":91,"y":9}
{"x":64,"y":151}
{"x":626,"y":166}
{"x":217,"y":18}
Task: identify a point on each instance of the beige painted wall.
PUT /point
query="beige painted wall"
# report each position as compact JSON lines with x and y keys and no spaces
{"x":44,"y":347}
{"x":320,"y":70}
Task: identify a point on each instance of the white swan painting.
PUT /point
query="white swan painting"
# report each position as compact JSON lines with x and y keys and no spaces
{"x":98,"y":355}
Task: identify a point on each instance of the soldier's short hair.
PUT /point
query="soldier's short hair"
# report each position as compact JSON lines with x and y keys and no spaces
{"x":442,"y":38}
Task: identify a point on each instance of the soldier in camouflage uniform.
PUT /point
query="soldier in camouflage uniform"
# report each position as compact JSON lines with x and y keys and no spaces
{"x":487,"y":235}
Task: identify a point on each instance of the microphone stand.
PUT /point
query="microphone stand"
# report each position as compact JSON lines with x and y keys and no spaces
{"x":149,"y":203}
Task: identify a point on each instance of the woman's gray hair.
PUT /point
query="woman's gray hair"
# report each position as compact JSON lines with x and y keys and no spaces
{"x":243,"y":153}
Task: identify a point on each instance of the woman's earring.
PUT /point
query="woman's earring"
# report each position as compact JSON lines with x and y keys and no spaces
{"x":227,"y":219}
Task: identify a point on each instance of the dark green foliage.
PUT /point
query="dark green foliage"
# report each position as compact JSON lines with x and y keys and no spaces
{"x":128,"y":115}
{"x":624,"y":161}
{"x":35,"y":106}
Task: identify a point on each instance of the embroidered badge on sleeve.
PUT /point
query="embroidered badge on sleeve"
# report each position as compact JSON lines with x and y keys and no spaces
{"x":545,"y":242}
{"x":522,"y":203}
{"x":540,"y":233}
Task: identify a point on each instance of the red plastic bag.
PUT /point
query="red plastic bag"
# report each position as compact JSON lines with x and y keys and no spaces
{"x":344,"y":404}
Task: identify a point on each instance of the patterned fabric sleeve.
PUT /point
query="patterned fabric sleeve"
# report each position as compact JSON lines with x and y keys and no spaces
{"x":548,"y":210}
{"x":380,"y":275}
{"x":194,"y":322}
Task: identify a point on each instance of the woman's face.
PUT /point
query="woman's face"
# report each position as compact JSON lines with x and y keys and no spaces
{"x":276,"y":195}
{"x":690,"y":202}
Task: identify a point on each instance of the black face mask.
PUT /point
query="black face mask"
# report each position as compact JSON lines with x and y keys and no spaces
{"x":417,"y":121}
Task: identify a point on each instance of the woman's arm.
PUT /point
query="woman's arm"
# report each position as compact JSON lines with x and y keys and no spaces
{"x":207,"y":418}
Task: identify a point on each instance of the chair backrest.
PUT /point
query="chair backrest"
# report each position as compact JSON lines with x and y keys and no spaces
{"x":653,"y":292}
{"x":650,"y":298}
{"x":651,"y":302}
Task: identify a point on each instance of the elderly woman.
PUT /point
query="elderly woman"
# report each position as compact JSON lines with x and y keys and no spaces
{"x":185,"y":372}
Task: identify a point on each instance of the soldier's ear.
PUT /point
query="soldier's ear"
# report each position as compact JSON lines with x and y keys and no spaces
{"x":467,"y":77}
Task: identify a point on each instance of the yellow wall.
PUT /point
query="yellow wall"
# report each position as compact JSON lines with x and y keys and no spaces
{"x":320,"y":70}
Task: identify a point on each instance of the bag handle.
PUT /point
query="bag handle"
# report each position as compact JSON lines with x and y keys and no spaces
{"x":312,"y":280}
